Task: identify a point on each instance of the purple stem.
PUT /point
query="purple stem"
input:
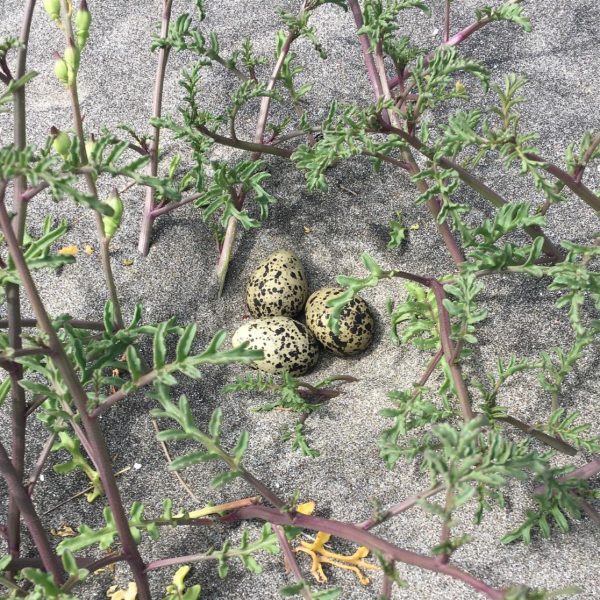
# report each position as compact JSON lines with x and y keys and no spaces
{"x":77,"y":323}
{"x":396,"y":509}
{"x":39,"y":463}
{"x":446,"y":33}
{"x":97,"y":445}
{"x":29,"y":193}
{"x":352,"y":533}
{"x":476,"y":184}
{"x":36,"y":529}
{"x":365,"y":46}
{"x":290,"y":559}
{"x":163,"y":57}
{"x":13,"y":294}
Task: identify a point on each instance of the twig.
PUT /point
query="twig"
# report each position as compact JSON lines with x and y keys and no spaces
{"x":13,"y":294}
{"x":361,"y":537}
{"x":231,"y":228}
{"x":30,"y":516}
{"x":549,"y":440}
{"x":165,"y":450}
{"x":81,"y":493}
{"x":446,"y":32}
{"x":388,"y":584}
{"x":40,"y":462}
{"x":399,"y":508}
{"x":476,"y":184}
{"x":30,"y":193}
{"x":290,"y":559}
{"x":76,"y":323}
{"x":157,"y":98}
{"x":586,"y":158}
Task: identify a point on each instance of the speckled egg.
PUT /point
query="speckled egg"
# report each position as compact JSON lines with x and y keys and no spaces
{"x":286,"y":344}
{"x":356,"y":323}
{"x":277,"y":287}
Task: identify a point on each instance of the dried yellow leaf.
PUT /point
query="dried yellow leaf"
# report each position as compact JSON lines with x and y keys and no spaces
{"x":320,"y":556}
{"x":307,"y":229}
{"x":114,"y":593}
{"x":63,"y":532}
{"x":68,"y":251}
{"x":306,"y":508}
{"x":89,"y":250}
{"x":414,"y":226}
{"x":127,"y":262}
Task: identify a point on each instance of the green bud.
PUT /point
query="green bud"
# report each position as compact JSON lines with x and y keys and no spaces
{"x":83,"y":19}
{"x":52,"y":7}
{"x":71,"y":57}
{"x":61,"y":142}
{"x":112,"y":223}
{"x":61,"y":70}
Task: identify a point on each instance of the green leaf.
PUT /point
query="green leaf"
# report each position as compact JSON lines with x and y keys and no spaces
{"x":185,"y":342}
{"x":159,"y":346}
{"x":214,"y":426}
{"x":134,"y":363}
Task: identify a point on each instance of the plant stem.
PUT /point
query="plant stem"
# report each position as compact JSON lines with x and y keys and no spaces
{"x":588,"y":471}
{"x":361,"y":537}
{"x":21,"y":498}
{"x":157,"y":98}
{"x":30,"y":193}
{"x":549,"y":440}
{"x":448,"y":347}
{"x":40,"y":462}
{"x":98,"y":451}
{"x":476,"y":184}
{"x":365,"y":46}
{"x":432,"y":204}
{"x":257,"y":148}
{"x":13,"y":294}
{"x":586,"y":158}
{"x":290,"y":559}
{"x":76,"y":323}
{"x":388,"y":584}
{"x":399,"y":508}
{"x":578,"y":188}
{"x":231,"y":228}
{"x":446,"y":32}
{"x":163,"y":210}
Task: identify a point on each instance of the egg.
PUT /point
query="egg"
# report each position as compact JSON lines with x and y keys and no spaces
{"x":277,"y":287}
{"x":286,"y":344}
{"x":356,"y":322}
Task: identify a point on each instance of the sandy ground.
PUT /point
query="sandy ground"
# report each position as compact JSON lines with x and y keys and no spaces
{"x":560,"y":58}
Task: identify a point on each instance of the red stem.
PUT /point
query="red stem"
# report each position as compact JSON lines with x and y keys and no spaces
{"x":13,"y":295}
{"x":97,"y":449}
{"x":352,"y":533}
{"x":157,"y":98}
{"x":36,"y":529}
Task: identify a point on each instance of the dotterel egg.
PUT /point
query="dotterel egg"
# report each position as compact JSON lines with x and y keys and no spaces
{"x":356,"y":322}
{"x":286,"y":344}
{"x":277,"y":287}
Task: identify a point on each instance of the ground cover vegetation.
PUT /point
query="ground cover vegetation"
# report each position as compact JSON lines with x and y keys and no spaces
{"x":66,"y":372}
